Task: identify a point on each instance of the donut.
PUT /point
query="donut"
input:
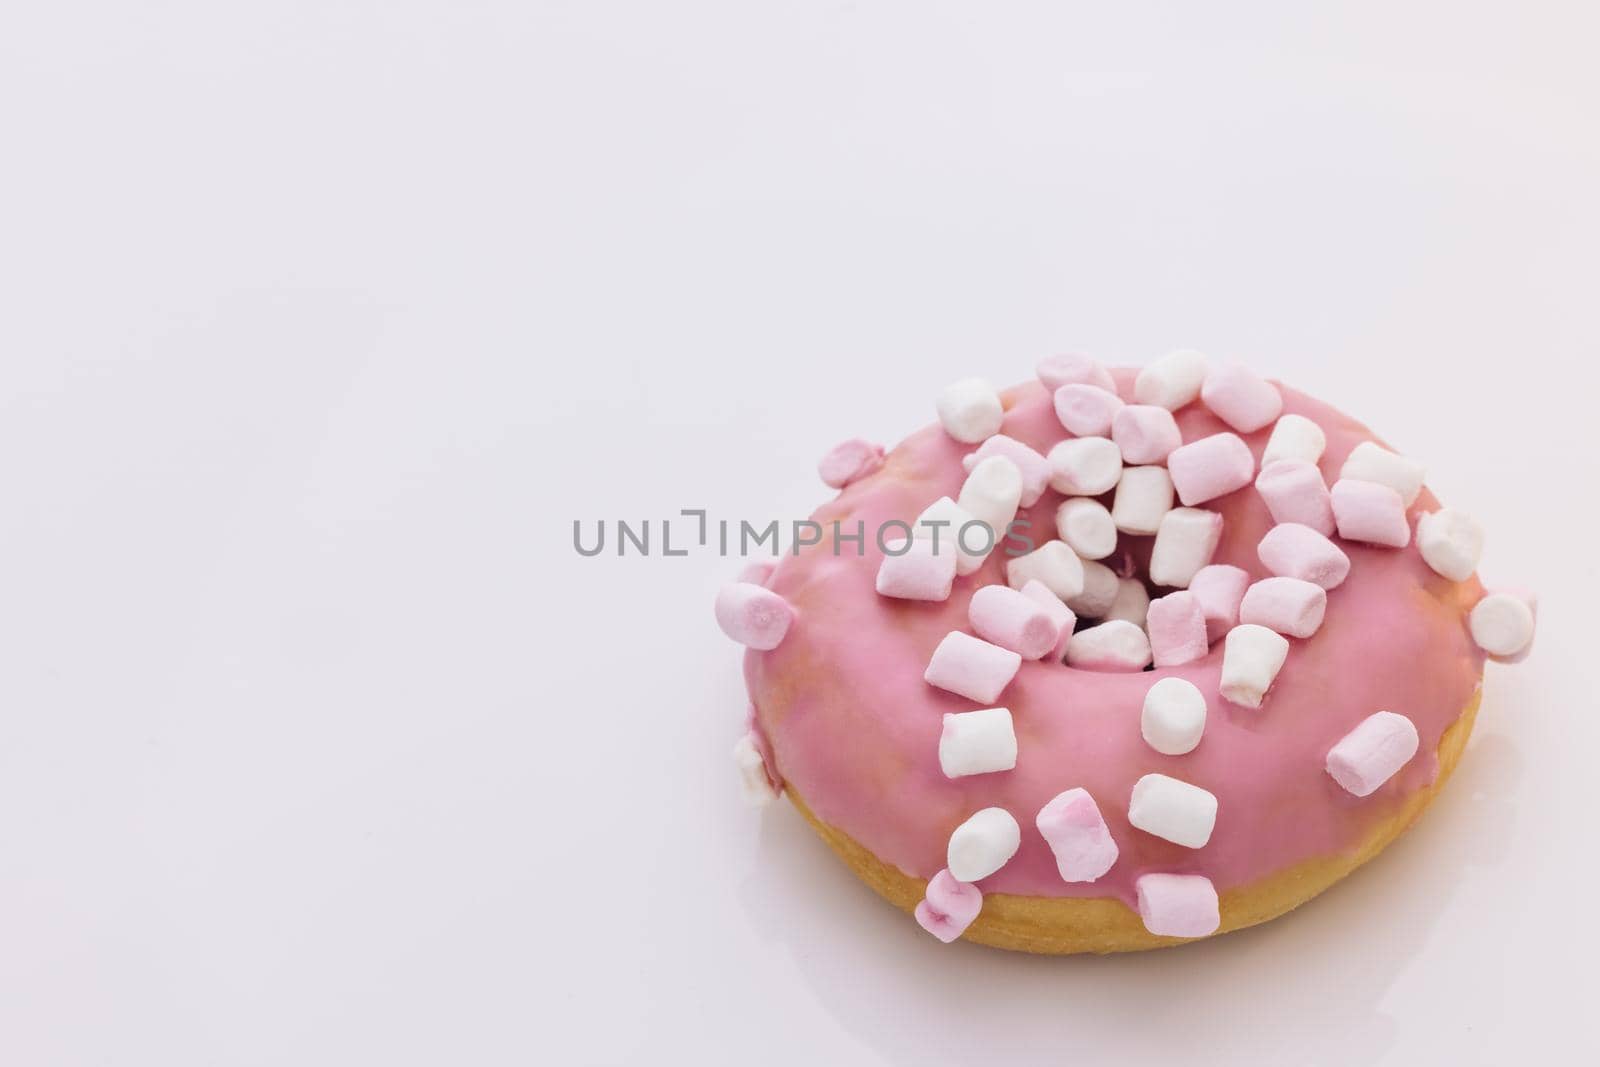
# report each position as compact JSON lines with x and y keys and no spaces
{"x":1114,"y":660}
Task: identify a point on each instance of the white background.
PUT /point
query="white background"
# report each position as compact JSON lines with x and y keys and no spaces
{"x":320,"y":322}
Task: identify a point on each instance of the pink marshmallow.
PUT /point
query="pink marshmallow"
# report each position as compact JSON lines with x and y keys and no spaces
{"x":1288,"y":606}
{"x":752,"y":615}
{"x":1240,"y":397}
{"x":1035,"y":469}
{"x":1210,"y":467}
{"x":1373,"y":752}
{"x":757,"y":571}
{"x":1219,"y":588}
{"x":849,"y":461}
{"x":1295,"y":492}
{"x":948,"y":906}
{"x":1145,"y":433}
{"x":1370,"y":512}
{"x":1178,"y":905}
{"x":1087,"y":410}
{"x":1177,"y":628}
{"x":1073,"y":828}
{"x":970,"y":667}
{"x":1291,"y":550}
{"x":1074,"y":368}
{"x":923,"y":570}
{"x":1065,"y":618}
{"x":1005,"y":617}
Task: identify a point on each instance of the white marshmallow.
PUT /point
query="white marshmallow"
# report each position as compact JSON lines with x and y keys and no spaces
{"x":1451,"y":542}
{"x":982,"y":845}
{"x":977,"y":742}
{"x":1171,"y":381}
{"x":1110,"y":646}
{"x":1132,"y":603}
{"x":1373,"y":752}
{"x":1174,"y":716}
{"x":1185,"y":541}
{"x":1502,"y":624}
{"x":950,"y":525}
{"x":1033,"y":467}
{"x":754,"y":784}
{"x":1085,"y":466}
{"x":1294,"y":437}
{"x":1370,"y":463}
{"x":992,"y":492}
{"x":1172,"y":810}
{"x":1086,"y":526}
{"x":971,"y":667}
{"x":1100,"y":588}
{"x":1144,"y":496}
{"x":1252,"y":656}
{"x":970,"y":410}
{"x":1053,"y":564}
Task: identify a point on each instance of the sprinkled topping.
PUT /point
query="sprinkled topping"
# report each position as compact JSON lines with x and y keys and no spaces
{"x":1252,"y":656}
{"x":1087,"y":528}
{"x":913,"y":570}
{"x":971,"y":667}
{"x":1294,"y":491}
{"x":1145,"y":433}
{"x":1144,"y":495}
{"x":1211,"y":467}
{"x":1033,"y":467}
{"x":1085,"y":466}
{"x":1186,"y":539}
{"x":983,"y":844}
{"x":1219,"y":588}
{"x":1172,"y":380}
{"x":948,"y":906}
{"x":1290,"y":606}
{"x":1178,"y":905}
{"x":1005,"y":617}
{"x":1370,"y":512}
{"x":1502,"y":624}
{"x":1174,"y":716}
{"x":1177,"y":629}
{"x":1087,"y":410}
{"x":992,"y":492}
{"x":1111,"y":646}
{"x":1240,"y":397}
{"x":1072,"y":826}
{"x":1291,"y":550}
{"x":1294,"y":437}
{"x":1451,"y":542}
{"x":970,"y":410}
{"x":753,"y":615}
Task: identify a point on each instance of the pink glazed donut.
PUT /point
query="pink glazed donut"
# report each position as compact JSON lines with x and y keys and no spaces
{"x":1332,"y":674}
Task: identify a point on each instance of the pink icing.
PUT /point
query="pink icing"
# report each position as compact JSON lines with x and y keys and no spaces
{"x":854,"y":728}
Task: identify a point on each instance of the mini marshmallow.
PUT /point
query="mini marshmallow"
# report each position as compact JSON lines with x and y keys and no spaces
{"x":1146,"y":434}
{"x":1085,"y":466}
{"x":1294,"y":491}
{"x":1087,"y":410}
{"x":757,"y":571}
{"x":1074,"y":368}
{"x":1294,"y":437}
{"x":752,"y":615}
{"x":1291,"y":606}
{"x":849,"y":461}
{"x":952,"y":527}
{"x":948,"y":907}
{"x":1178,"y":905}
{"x":1502,"y":624}
{"x":1052,"y":563}
{"x":754,"y":784}
{"x":1174,"y":716}
{"x":1185,"y":542}
{"x":1291,"y":550}
{"x":1219,"y":588}
{"x":1252,"y":656}
{"x":1369,"y":755}
{"x":1369,"y":462}
{"x":1370,"y":512}
{"x":1110,"y":646}
{"x":970,"y":410}
{"x":1144,"y":496}
{"x":1177,"y":629}
{"x":982,"y":845}
{"x":1005,"y":617}
{"x":1062,"y":616}
{"x":1072,"y":826}
{"x":991,"y":493}
{"x":1132,"y":603}
{"x":1086,"y":526}
{"x":977,"y":742}
{"x":1100,"y":588}
{"x":1240,"y":397}
{"x":1171,"y":381}
{"x":971,"y":667}
{"x":919,"y":572}
{"x":1172,"y":810}
{"x":1033,"y":467}
{"x":1451,"y":542}
{"x":1211,"y":467}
